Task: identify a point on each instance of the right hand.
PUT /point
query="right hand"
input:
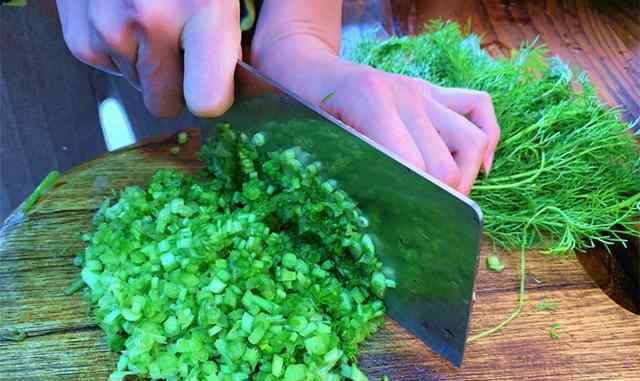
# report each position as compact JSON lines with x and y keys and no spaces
{"x":171,"y":50}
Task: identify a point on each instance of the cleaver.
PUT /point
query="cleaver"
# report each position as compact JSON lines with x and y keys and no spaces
{"x":426,"y":234}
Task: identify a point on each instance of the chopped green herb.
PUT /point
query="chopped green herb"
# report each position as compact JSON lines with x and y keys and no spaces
{"x":544,"y":305}
{"x":327,"y":97}
{"x":250,"y":269}
{"x":553,"y":331}
{"x":494,"y":264}
{"x":76,"y":286}
{"x":182,"y":138}
{"x":46,"y":183}
{"x":175,"y":150}
{"x":295,"y":372}
{"x":77,"y":260}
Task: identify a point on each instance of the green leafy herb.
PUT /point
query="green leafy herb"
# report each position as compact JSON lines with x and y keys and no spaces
{"x":46,"y":183}
{"x":544,"y":305}
{"x":494,"y":264}
{"x":567,"y":170}
{"x":553,"y":331}
{"x":175,"y":150}
{"x":253,"y":269}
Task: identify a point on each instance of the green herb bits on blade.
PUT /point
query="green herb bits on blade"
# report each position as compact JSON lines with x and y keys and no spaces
{"x":245,"y":271}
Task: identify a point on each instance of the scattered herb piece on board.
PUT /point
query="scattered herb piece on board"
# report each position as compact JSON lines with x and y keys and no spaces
{"x":546,"y":305}
{"x":553,"y":331}
{"x":76,"y":286}
{"x":44,"y":185}
{"x":494,"y":264}
{"x":255,"y":268}
{"x":183,"y":138}
{"x":175,"y":150}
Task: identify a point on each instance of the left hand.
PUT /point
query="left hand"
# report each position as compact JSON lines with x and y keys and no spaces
{"x":297,"y":43}
{"x":422,"y":123}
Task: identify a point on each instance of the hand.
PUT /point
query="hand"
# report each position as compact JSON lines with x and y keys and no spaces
{"x":297,"y":44}
{"x":423,"y":124}
{"x":152,"y":42}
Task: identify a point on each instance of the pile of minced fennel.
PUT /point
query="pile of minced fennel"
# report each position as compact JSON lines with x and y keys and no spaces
{"x":255,"y":269}
{"x":260,"y":269}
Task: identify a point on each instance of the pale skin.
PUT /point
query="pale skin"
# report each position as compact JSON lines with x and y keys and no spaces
{"x":181,"y":52}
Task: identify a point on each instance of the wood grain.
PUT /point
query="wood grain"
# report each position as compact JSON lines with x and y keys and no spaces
{"x":48,"y":102}
{"x":598,"y":339}
{"x":600,"y":345}
{"x":603,"y":37}
{"x":71,"y":355}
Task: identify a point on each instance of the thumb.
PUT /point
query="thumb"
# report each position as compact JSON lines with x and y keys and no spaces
{"x":211,"y":44}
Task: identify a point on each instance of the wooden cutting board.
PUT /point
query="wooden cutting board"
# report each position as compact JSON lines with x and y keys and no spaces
{"x":598,"y":339}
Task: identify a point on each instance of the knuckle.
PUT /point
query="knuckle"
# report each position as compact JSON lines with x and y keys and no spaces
{"x":162,"y":108}
{"x":151,"y":14}
{"x":82,"y":51}
{"x":372,"y":83}
{"x":484,"y":97}
{"x":109,"y":35}
{"x":414,"y":158}
{"x":413,"y":86}
{"x":450,"y":174}
{"x":112,"y":34}
{"x":142,"y":12}
{"x":480,"y":140}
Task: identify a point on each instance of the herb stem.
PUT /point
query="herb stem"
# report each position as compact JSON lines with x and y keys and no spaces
{"x":518,"y":309}
{"x":45,"y":184}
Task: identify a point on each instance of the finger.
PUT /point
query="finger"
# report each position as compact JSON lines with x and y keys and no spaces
{"x":159,"y":61}
{"x":159,"y":69}
{"x":376,"y":116}
{"x":112,"y":34}
{"x":468,"y":143}
{"x":438,"y":159}
{"x":479,"y":106}
{"x":390,"y":132}
{"x":77,"y":35}
{"x":211,"y":41}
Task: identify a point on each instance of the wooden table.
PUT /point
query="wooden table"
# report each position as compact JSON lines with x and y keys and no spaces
{"x":603,"y":37}
{"x":598,"y":339}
